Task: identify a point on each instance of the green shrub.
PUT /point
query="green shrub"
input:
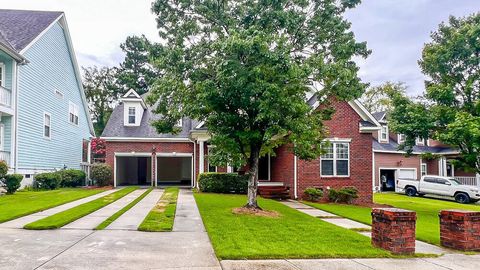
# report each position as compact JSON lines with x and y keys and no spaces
{"x":101,"y":174}
{"x":72,"y":178}
{"x":11,"y":182}
{"x":313,"y":194}
{"x":49,"y":180}
{"x":3,"y":169}
{"x":344,"y":195}
{"x":223,"y":183}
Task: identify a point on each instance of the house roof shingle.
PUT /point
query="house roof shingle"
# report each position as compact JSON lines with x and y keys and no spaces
{"x":392,"y":146}
{"x":18,"y":28}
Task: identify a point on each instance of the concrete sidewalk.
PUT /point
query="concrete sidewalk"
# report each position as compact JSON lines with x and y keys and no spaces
{"x":131,"y":219}
{"x":90,"y":221}
{"x":187,"y":216}
{"x":450,"y":261}
{"x":20,"y":222}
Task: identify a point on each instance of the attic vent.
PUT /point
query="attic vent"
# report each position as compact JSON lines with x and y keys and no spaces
{"x":58,"y":94}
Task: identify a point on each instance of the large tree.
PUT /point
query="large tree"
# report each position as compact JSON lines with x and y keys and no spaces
{"x":450,"y":111}
{"x":246,"y":68}
{"x":135,"y":71}
{"x":102,"y":93}
{"x":377,"y":98}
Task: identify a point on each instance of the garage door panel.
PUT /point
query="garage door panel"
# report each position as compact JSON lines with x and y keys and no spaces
{"x":407,"y":174}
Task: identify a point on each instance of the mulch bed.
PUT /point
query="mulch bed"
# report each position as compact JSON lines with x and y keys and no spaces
{"x":255,"y":212}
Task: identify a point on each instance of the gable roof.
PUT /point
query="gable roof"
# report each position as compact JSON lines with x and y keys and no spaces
{"x":380,"y":116}
{"x":19,"y":28}
{"x":368,"y":123}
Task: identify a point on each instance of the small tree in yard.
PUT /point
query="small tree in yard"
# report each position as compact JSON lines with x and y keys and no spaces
{"x":245,"y":68}
{"x":450,"y":111}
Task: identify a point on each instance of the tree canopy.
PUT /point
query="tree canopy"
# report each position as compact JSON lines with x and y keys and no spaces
{"x":136,"y":72}
{"x":102,"y":92}
{"x":246,"y":68}
{"x":450,"y":111}
{"x":377,"y":98}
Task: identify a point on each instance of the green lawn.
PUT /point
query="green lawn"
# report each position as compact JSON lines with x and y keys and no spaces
{"x":160,"y":218}
{"x":292,"y":235}
{"x":24,"y":203}
{"x":63,"y":218}
{"x":120,"y":212}
{"x":428,"y":227}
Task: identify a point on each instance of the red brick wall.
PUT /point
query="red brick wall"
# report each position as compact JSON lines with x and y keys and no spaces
{"x":432,"y":166}
{"x":344,"y":124}
{"x":281,"y":167}
{"x":394,"y":161}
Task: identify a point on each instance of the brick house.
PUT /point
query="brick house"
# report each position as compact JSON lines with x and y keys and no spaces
{"x":391,"y":163}
{"x":141,"y":156}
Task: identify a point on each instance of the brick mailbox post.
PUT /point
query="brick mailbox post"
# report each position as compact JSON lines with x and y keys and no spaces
{"x":393,"y":229}
{"x":460,"y":229}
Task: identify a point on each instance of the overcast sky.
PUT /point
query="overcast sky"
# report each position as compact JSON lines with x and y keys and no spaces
{"x":394,"y":29}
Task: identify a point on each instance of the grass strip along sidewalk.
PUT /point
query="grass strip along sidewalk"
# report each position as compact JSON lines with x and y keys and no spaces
{"x":120,"y":212}
{"x":160,"y":218}
{"x":427,"y":209}
{"x":290,"y":234}
{"x":63,"y":218}
{"x":24,"y":203}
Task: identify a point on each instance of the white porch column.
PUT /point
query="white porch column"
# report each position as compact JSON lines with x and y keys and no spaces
{"x":478,"y":180}
{"x":229,"y":169}
{"x":201,"y":158}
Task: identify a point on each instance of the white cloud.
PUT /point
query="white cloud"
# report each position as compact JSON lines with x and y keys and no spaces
{"x":98,"y":27}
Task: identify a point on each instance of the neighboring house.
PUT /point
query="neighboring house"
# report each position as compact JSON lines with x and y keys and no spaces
{"x":141,"y":156}
{"x":45,"y":123}
{"x":391,"y":163}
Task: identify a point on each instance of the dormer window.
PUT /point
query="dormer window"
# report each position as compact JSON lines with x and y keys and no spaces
{"x":383,"y":136}
{"x":400,"y":138}
{"x":131,"y":115}
{"x":179,"y":123}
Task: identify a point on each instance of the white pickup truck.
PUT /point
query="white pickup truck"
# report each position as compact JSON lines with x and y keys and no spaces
{"x":438,"y":185}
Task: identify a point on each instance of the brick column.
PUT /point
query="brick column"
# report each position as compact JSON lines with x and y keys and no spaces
{"x":393,"y":229}
{"x":460,"y":229}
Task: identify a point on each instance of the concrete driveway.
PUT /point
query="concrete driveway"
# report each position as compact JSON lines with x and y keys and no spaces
{"x":187,"y":247}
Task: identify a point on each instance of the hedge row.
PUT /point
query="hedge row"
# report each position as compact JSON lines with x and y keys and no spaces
{"x":223,"y":183}
{"x":63,"y":178}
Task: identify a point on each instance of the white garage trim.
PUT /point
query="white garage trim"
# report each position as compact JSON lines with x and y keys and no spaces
{"x":175,"y":154}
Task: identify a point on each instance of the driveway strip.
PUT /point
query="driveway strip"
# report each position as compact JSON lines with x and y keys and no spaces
{"x":20,"y":222}
{"x":131,"y":219}
{"x":90,"y":221}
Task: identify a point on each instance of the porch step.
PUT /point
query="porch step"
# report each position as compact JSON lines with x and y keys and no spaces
{"x":274,"y":192}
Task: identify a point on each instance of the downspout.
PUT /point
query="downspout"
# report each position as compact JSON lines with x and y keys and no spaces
{"x":194,"y":162}
{"x":295,"y":177}
{"x":374,"y":181}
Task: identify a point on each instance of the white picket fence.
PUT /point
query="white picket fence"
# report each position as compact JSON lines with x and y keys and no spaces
{"x":469,"y":180}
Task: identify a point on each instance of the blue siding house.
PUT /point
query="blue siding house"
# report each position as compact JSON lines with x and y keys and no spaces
{"x":44,"y":119}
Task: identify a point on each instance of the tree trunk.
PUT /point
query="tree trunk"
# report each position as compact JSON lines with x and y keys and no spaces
{"x":253,"y":179}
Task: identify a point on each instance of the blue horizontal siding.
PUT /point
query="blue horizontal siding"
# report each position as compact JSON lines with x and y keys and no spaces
{"x":8,"y":61}
{"x":50,"y":68}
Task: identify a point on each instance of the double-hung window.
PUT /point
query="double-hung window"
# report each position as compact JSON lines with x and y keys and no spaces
{"x":423,"y":169}
{"x":47,"y":130}
{"x":131,"y":115}
{"x":336,"y":160}
{"x":384,"y":134}
{"x":73,"y":113}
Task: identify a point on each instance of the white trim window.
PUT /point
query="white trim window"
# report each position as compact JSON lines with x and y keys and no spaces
{"x":400,"y":138}
{"x":423,"y":169}
{"x":73,"y":113}
{"x":131,"y":115}
{"x":179,"y":123}
{"x":210,"y":167}
{"x":2,"y":74}
{"x":336,"y":160}
{"x":383,"y":136}
{"x":47,"y":125}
